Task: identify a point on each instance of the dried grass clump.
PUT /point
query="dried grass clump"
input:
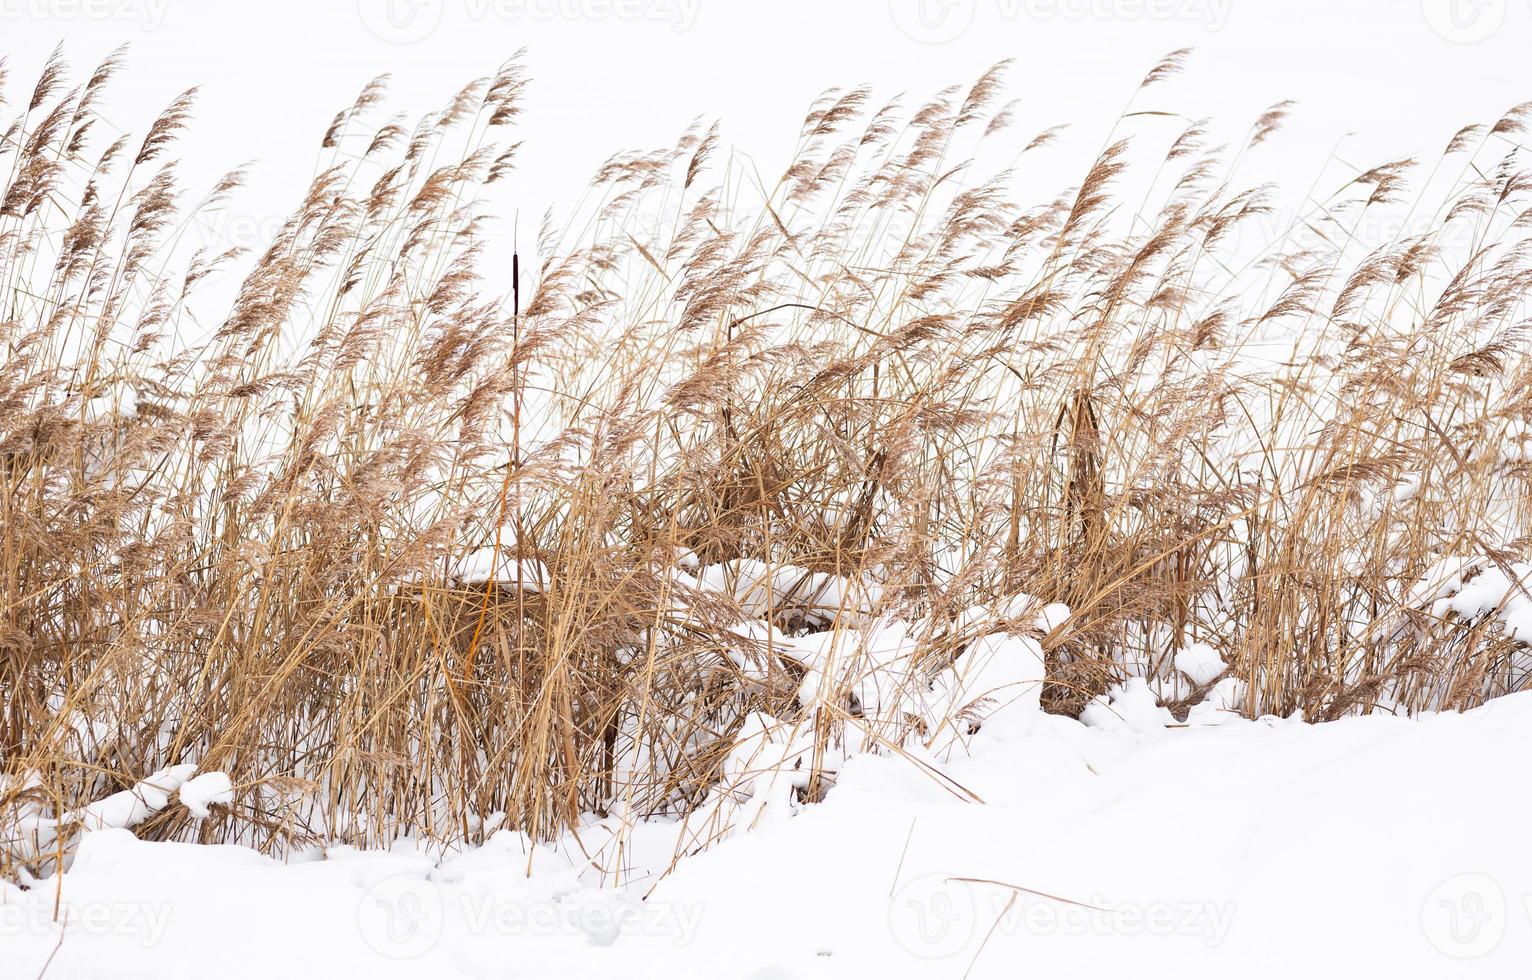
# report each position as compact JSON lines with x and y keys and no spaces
{"x":398,"y":547}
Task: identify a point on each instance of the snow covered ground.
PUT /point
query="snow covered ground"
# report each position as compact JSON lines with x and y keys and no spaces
{"x":1369,"y":846}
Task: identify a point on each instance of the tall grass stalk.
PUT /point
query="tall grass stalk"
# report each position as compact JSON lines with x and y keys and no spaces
{"x":397,"y":541}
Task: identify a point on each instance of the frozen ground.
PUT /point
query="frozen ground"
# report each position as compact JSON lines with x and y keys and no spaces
{"x":1365,"y":847}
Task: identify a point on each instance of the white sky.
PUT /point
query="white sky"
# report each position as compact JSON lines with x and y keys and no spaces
{"x":608,"y":75}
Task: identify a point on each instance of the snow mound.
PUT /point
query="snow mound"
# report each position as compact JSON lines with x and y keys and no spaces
{"x":1200,"y":663}
{"x":896,"y":873}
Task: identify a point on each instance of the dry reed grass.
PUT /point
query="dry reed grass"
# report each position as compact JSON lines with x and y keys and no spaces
{"x":250,"y":550}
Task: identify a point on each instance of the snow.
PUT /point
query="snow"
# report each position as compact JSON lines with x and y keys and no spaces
{"x":1127,"y":707}
{"x":1470,"y":588}
{"x":785,"y":591}
{"x":913,"y":812}
{"x":131,"y":807}
{"x":1200,"y":663}
{"x":1222,"y":704}
{"x":201,"y":791}
{"x":491,"y":564}
{"x":1127,"y":845}
{"x":122,"y":405}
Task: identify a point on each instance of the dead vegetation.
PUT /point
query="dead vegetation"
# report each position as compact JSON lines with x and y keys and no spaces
{"x":251,"y":543}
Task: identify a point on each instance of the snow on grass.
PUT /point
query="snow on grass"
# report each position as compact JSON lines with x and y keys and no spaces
{"x":31,"y":829}
{"x":131,"y":807}
{"x":1122,"y":849}
{"x":1200,"y":663}
{"x":202,"y":791}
